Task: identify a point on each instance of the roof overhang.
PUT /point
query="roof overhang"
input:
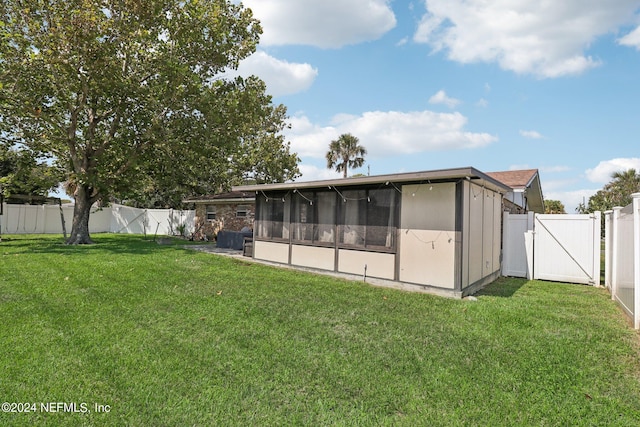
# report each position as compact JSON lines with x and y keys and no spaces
{"x":442,"y":175}
{"x":534,"y":196}
{"x":223,"y":198}
{"x":212,"y":201}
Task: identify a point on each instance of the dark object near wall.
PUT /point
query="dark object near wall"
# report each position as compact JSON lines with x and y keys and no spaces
{"x":232,"y":239}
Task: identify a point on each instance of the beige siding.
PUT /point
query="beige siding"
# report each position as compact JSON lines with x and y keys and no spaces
{"x":427,"y":234}
{"x":497,"y":228}
{"x":429,"y":207}
{"x":313,"y":257}
{"x":474,"y":246}
{"x":379,"y":265}
{"x":270,"y":251}
{"x":487,"y":235}
{"x":466,"y":191}
{"x":483,"y":242}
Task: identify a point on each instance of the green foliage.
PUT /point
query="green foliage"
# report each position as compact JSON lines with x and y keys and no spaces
{"x":128,"y":94}
{"x":345,"y":153}
{"x":615,"y":193}
{"x":260,"y":153}
{"x":554,"y":207}
{"x":170,"y":337}
{"x":22,"y":173}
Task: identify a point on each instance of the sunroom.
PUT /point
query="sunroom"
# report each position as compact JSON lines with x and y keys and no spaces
{"x":437,"y":231}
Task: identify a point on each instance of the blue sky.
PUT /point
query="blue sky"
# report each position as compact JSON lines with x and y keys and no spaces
{"x":433,"y":84}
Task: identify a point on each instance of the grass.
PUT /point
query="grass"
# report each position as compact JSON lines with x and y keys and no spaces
{"x":166,"y":336}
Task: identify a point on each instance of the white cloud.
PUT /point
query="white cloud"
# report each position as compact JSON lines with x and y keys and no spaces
{"x":388,"y":133}
{"x":281,"y":77}
{"x":322,"y":23}
{"x":403,"y":41}
{"x":441,"y":98}
{"x":547,"y":39}
{"x":308,"y":139}
{"x":602,"y":173}
{"x":531,"y":134}
{"x":554,"y":169}
{"x":482,"y":103}
{"x":632,"y":39}
{"x":314,"y":173}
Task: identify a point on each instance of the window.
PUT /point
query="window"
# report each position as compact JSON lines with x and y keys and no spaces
{"x":381,"y":218}
{"x":313,"y":217}
{"x":353,"y":218}
{"x":358,"y":219}
{"x":368,"y":218}
{"x":272,"y":216}
{"x":242,"y":211}
{"x":211,"y":213}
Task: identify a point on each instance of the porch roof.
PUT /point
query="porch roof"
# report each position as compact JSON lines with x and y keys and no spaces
{"x":230,"y":197}
{"x":441,"y":175}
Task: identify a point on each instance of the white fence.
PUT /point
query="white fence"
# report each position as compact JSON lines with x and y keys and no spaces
{"x":622,"y":257}
{"x":46,"y":219}
{"x":563,"y":248}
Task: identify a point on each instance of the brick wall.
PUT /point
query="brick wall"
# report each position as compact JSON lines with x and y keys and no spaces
{"x":226,"y":219}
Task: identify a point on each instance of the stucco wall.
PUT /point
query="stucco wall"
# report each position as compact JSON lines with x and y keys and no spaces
{"x":379,"y":265}
{"x":270,"y":251}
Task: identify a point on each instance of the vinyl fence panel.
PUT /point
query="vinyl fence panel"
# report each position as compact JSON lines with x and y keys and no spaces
{"x":623,"y":255}
{"x":45,"y":219}
{"x":517,"y":247}
{"x":567,"y":248}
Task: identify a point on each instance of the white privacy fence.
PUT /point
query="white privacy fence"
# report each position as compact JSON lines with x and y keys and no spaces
{"x":562,"y":248}
{"x":622,"y":257}
{"x":46,"y":219}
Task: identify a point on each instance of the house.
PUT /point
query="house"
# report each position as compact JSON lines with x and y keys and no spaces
{"x":437,"y":231}
{"x":526,"y":192}
{"x":231,"y":211}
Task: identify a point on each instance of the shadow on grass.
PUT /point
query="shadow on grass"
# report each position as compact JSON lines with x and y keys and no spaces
{"x":114,"y":243}
{"x":504,"y":287}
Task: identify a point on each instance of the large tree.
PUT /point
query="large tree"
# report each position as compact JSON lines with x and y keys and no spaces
{"x":22,"y":172}
{"x":259,"y":154}
{"x":345,"y":153}
{"x":124,"y":91}
{"x":554,"y":207}
{"x":616,"y":192}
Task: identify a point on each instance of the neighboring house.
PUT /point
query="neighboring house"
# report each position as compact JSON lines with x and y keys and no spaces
{"x":437,"y":231}
{"x":526,"y":191}
{"x":227,"y":211}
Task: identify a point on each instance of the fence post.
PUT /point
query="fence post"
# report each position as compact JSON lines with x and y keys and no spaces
{"x":636,"y":260}
{"x":597,"y":224}
{"x":614,"y":251}
{"x":505,"y":237}
{"x":607,"y":249}
{"x":530,"y":243}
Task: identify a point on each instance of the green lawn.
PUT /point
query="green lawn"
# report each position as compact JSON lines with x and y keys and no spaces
{"x":163,"y":336}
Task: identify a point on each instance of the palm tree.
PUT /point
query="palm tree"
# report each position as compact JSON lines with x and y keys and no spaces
{"x":345,"y":153}
{"x":615,"y":193}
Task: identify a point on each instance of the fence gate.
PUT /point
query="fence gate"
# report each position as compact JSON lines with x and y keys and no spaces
{"x":562,"y":248}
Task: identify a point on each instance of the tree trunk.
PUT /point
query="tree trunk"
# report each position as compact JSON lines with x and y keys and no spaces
{"x":81,"y":211}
